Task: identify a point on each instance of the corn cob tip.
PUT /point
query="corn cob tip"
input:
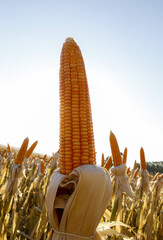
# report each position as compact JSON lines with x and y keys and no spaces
{"x":69,"y":39}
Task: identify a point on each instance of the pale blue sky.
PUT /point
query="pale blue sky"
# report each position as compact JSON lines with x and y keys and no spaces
{"x":121,"y":42}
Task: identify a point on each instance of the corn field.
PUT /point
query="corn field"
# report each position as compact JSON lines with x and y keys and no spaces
{"x":134,"y":212}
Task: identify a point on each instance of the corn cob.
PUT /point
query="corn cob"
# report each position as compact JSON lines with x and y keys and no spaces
{"x":42,"y":167}
{"x":143,"y":164}
{"x":8,"y":148}
{"x":135,"y":173}
{"x":108,"y":163}
{"x":115,"y":150}
{"x":76,"y":128}
{"x":31,"y":149}
{"x":135,"y":165}
{"x":102,"y":160}
{"x":44,"y":158}
{"x":125,"y":156}
{"x":128,"y":171}
{"x":22,"y":152}
{"x":3,"y":153}
{"x":156,"y":176}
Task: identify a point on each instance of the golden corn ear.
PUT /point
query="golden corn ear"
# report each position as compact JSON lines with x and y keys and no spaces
{"x":42,"y":166}
{"x":44,"y":158}
{"x":143,"y":164}
{"x":115,"y":150}
{"x":31,"y":149}
{"x":135,"y":165}
{"x":102,"y":160}
{"x":135,"y":173}
{"x":8,"y":148}
{"x":76,"y":143}
{"x":128,"y":171}
{"x":156,"y":176}
{"x":3,"y":153}
{"x":22,"y":152}
{"x":108,"y":163}
{"x":125,"y":156}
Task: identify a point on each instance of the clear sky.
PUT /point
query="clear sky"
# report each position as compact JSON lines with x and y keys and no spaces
{"x":122,"y":46}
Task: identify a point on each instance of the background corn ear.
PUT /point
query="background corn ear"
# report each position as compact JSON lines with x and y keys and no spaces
{"x":115,"y":150}
{"x":124,"y":156}
{"x":143,"y":164}
{"x":22,"y":152}
{"x":31,"y":149}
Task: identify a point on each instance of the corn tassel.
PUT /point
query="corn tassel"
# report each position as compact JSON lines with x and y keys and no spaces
{"x":115,"y":150}
{"x":76,"y":128}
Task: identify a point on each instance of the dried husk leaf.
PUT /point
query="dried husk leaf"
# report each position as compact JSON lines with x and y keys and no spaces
{"x":143,"y":181}
{"x":76,"y":202}
{"x":121,"y":181}
{"x":12,"y":184}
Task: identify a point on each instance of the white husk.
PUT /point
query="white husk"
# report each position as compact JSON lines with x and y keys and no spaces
{"x":121,"y":181}
{"x":83,"y":196}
